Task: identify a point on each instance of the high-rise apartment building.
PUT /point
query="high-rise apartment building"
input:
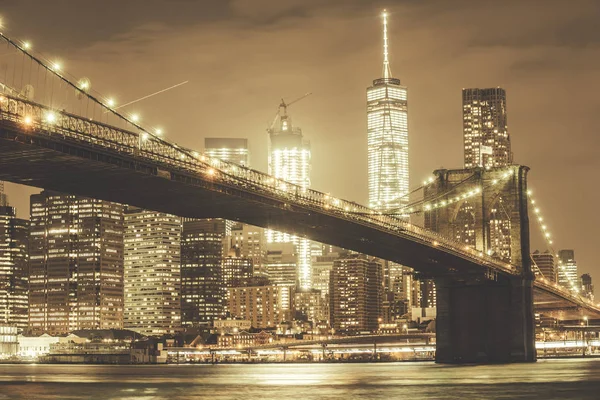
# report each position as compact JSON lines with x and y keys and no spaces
{"x":228,"y":149}
{"x":289,"y":160}
{"x":567,"y":270}
{"x":485,"y":128}
{"x":152,"y":272}
{"x":545,"y":264}
{"x":387,"y":131}
{"x":355,"y":294}
{"x":202,"y":288}
{"x":14,"y":271}
{"x":265,"y":306}
{"x":75,"y":264}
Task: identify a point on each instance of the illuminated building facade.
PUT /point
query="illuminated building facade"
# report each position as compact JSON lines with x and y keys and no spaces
{"x":14,"y":271}
{"x":387,"y":131}
{"x":152,"y":272}
{"x":567,"y":269}
{"x":289,"y":160}
{"x":282,"y":268}
{"x":202,"y":288}
{"x":265,"y":306}
{"x":355,"y":294}
{"x":228,"y":149}
{"x":75,"y":264}
{"x":309,"y":305}
{"x":251,"y":242}
{"x":236,"y":268}
{"x":388,"y":174}
{"x":546,"y":264}
{"x":485,"y":128}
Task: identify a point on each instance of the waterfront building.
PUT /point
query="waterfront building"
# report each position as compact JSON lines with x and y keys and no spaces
{"x":355,"y":294}
{"x":485,"y":128}
{"x":231,"y":325}
{"x":567,"y":270}
{"x":202,"y":289}
{"x":228,"y":149}
{"x":289,"y":160}
{"x":546,"y":266}
{"x":75,"y":264}
{"x":265,"y":306}
{"x":14,"y":270}
{"x":152,"y":272}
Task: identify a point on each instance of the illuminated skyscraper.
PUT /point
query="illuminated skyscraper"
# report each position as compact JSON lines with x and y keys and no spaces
{"x":485,"y":129}
{"x":387,"y":139}
{"x":289,"y":160}
{"x":567,"y":269}
{"x":387,"y":129}
{"x":75,"y":264}
{"x":152,"y":272}
{"x":14,"y":275}
{"x":228,"y":149}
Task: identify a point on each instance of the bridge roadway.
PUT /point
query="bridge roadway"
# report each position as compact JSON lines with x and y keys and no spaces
{"x":76,"y":155}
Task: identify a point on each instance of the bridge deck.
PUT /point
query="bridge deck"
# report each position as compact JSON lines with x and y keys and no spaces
{"x":77,"y":156}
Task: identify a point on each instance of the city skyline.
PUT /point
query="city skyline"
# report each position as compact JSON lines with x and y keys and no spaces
{"x":527,"y":149}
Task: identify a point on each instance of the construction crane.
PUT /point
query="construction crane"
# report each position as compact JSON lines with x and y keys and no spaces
{"x":282,"y":112}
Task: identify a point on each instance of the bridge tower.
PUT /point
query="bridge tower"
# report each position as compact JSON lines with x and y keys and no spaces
{"x":486,"y":317}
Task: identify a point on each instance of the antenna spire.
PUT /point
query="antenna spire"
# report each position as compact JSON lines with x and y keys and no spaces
{"x":387,"y":72}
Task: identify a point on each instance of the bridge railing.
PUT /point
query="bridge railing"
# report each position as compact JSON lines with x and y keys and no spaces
{"x":152,"y":148}
{"x":560,"y":290}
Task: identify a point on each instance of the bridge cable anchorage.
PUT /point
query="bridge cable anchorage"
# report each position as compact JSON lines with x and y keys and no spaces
{"x":549,"y":242}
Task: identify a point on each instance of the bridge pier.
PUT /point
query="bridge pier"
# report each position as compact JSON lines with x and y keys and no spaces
{"x":485,"y":322}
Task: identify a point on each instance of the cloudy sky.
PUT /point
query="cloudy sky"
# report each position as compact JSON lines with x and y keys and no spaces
{"x":242,"y":56}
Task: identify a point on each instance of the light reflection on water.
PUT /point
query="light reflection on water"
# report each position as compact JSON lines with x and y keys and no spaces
{"x":548,"y":379}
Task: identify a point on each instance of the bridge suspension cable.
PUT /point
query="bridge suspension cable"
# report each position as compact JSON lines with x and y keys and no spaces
{"x":547,"y":236}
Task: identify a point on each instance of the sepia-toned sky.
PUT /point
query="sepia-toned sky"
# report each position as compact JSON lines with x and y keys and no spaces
{"x":242,"y":56}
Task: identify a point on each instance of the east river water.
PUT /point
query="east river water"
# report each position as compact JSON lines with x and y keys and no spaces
{"x":548,"y":379}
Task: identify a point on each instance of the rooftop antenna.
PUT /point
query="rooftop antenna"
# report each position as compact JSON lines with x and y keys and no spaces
{"x":387,"y":72}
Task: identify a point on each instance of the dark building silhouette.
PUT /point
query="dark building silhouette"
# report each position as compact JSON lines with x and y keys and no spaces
{"x":202,"y":285}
